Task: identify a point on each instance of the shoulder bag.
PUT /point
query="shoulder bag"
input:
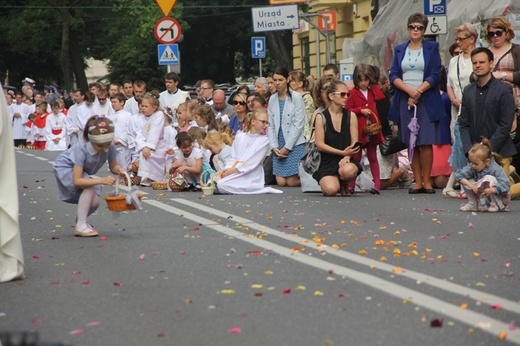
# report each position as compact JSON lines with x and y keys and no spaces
{"x":311,"y":157}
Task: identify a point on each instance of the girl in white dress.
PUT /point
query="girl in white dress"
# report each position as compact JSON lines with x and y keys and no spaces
{"x":149,"y":142}
{"x":244,"y":173}
{"x":187,"y":160}
{"x":56,"y":129}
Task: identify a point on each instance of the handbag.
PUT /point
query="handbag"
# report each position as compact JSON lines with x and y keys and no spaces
{"x":311,"y":157}
{"x":374,"y":128}
{"x":391,"y":145}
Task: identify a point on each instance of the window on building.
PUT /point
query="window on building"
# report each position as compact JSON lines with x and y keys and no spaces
{"x":305,"y":60}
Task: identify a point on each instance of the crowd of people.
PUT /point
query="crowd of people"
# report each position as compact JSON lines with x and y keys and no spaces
{"x":257,"y":137}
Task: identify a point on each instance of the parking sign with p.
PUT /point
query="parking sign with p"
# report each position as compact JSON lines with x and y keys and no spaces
{"x":435,"y":7}
{"x":258,"y":47}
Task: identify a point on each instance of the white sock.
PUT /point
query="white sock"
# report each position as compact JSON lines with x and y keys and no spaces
{"x":84,"y":207}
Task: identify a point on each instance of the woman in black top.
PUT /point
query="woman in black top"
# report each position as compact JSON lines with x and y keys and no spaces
{"x":336,"y":143}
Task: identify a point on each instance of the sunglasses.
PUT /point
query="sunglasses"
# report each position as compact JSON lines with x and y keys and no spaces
{"x":416,"y":27}
{"x":264,"y":122}
{"x":342,"y":94}
{"x":242,"y":103}
{"x":460,"y":39}
{"x":497,"y":33}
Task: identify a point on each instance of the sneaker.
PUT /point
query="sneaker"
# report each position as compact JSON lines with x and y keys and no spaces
{"x":450,"y":193}
{"x":493,"y":208}
{"x":468,"y":207}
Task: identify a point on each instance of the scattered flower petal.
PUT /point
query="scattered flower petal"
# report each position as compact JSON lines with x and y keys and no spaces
{"x":436,"y":323}
{"x":142,"y":257}
{"x":76,"y":332}
{"x":235,"y":330}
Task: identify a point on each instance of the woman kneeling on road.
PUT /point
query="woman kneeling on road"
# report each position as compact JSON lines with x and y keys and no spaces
{"x":336,"y":142}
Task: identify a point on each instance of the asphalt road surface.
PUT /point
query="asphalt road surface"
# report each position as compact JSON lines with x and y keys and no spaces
{"x":289,"y":269}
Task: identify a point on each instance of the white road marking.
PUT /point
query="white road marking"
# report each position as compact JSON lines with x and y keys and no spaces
{"x":466,"y":316}
{"x":483,"y":297}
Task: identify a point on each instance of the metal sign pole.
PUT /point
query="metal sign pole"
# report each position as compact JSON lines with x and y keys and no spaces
{"x":260,"y":67}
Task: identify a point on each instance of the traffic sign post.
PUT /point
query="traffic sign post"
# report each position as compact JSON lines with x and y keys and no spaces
{"x":168,"y":54}
{"x":166,"y":6}
{"x":437,"y":25}
{"x":275,"y":18}
{"x":436,"y":11}
{"x":435,"y":7}
{"x":258,"y":51}
{"x":331,"y":24}
{"x":167,"y":30}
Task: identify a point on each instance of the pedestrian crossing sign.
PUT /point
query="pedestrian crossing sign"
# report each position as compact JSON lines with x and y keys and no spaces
{"x":168,"y":54}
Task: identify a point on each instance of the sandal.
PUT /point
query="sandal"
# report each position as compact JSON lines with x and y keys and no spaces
{"x":345,"y":192}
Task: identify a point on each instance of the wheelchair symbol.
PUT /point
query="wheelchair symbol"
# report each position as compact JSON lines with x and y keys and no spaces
{"x":434,"y":28}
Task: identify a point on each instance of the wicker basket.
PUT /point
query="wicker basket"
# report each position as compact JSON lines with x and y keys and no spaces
{"x":159,"y":185}
{"x":177,"y":184}
{"x":134,"y":180}
{"x":118,"y":202}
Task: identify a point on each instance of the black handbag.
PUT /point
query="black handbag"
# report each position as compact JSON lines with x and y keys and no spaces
{"x":311,"y":157}
{"x":391,"y":145}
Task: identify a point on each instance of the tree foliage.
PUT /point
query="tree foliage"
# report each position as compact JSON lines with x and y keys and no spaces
{"x":50,"y":40}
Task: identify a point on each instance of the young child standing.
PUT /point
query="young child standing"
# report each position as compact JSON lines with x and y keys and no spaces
{"x":56,"y":129}
{"x":484,"y":181}
{"x":187,"y":160}
{"x":30,"y":130}
{"x":362,"y":102}
{"x":150,"y":141}
{"x":120,"y":118}
{"x":244,"y":173}
{"x":219,"y":143}
{"x":74,"y":169}
{"x":39,"y":123}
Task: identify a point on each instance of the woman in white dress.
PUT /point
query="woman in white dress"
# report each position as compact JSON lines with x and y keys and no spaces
{"x":244,"y":173}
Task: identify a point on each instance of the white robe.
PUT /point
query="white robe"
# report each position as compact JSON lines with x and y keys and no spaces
{"x":83,"y":113}
{"x":173,"y":101}
{"x":121,"y":120}
{"x":247,"y":154}
{"x":151,"y":135}
{"x":56,"y":127}
{"x":11,"y":253}
{"x":72,"y":125}
{"x":19,"y":123}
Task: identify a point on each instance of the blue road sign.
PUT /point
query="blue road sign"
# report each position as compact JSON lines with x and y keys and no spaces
{"x":435,"y":7}
{"x":258,"y":47}
{"x":168,"y":54}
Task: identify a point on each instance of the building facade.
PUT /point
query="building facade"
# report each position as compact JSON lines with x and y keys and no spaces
{"x":353,"y":19}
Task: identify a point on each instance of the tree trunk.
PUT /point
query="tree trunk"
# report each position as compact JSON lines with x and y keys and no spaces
{"x":76,"y":59}
{"x":278,"y":49}
{"x":65,"y":59}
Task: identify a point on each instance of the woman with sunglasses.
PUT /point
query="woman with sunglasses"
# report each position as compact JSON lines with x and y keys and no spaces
{"x":286,"y":120}
{"x":459,"y":73}
{"x":415,"y":74}
{"x":499,"y":33}
{"x":240,"y":105}
{"x":336,"y":142}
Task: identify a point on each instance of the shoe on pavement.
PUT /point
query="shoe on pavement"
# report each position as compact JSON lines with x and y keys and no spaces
{"x":468,"y":207}
{"x":493,"y":208}
{"x":86,"y":233}
{"x":450,"y":193}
